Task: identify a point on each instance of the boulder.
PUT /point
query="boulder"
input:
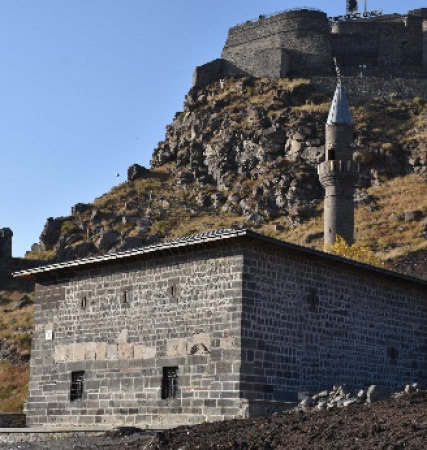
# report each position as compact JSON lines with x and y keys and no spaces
{"x":136,"y":171}
{"x":411,"y":216}
{"x":80,"y":208}
{"x":307,"y":402}
{"x":51,"y":232}
{"x":107,"y":240}
{"x":22,"y":302}
{"x":376,"y":393}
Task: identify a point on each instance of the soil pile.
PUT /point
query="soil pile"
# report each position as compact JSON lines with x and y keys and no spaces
{"x":396,"y":424}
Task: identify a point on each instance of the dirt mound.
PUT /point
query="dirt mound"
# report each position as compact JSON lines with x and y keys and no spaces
{"x":394,"y":424}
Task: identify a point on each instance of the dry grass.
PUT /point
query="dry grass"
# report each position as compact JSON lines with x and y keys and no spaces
{"x":15,"y":335}
{"x":13,"y":386}
{"x":381,"y":226}
{"x":16,"y":324}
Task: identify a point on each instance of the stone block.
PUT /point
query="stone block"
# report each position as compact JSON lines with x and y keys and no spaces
{"x":125,"y":351}
{"x":112,"y":352}
{"x":176,"y":347}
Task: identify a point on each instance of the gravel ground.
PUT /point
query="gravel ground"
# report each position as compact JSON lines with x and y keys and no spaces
{"x":105,"y":442}
{"x":395,"y":424}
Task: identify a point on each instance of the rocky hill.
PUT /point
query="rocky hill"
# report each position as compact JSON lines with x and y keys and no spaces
{"x":243,"y":153}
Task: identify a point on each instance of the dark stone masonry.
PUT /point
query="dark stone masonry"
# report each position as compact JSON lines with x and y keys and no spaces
{"x":303,"y":43}
{"x":223,"y":325}
{"x":6,"y":235}
{"x":12,"y":420}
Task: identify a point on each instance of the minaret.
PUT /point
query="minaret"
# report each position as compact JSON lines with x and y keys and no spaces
{"x":339,"y":173}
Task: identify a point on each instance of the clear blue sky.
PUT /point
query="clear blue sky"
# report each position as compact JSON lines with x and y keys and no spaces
{"x":87,"y":88}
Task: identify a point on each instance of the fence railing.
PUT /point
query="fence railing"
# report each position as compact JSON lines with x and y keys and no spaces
{"x":267,"y":16}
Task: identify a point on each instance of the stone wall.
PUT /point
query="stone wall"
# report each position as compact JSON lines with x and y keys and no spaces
{"x":296,"y":41}
{"x":122,"y":325}
{"x":301,"y":43}
{"x":246,"y":322}
{"x":309,"y":323}
{"x":12,"y":420}
{"x":369,"y":87}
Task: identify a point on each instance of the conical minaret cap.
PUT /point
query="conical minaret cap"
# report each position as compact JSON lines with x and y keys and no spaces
{"x":340,"y":114}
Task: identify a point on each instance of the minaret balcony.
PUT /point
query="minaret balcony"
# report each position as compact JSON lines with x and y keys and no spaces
{"x":331,"y":171}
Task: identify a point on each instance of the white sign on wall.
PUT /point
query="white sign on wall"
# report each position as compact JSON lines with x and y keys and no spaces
{"x":49,"y":335}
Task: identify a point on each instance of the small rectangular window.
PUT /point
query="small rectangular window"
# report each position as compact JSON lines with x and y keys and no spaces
{"x":173,"y":290}
{"x":169,"y":382}
{"x":76,"y":389}
{"x":125,"y":297}
{"x":392,"y":355}
{"x":83,"y":302}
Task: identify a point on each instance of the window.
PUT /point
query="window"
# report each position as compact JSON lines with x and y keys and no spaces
{"x":124,"y":297}
{"x":173,"y":290}
{"x":83,"y":302}
{"x":313,"y":300}
{"x":76,"y":389}
{"x":392,"y":355}
{"x":169,"y":382}
{"x":331,"y":154}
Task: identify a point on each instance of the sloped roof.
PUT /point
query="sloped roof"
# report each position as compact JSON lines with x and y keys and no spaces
{"x":201,"y":239}
{"x":339,"y":114}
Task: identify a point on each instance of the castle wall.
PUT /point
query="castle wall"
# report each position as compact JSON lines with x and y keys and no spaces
{"x":298,"y":39}
{"x":310,"y":323}
{"x":122,"y":347}
{"x":302,"y":43}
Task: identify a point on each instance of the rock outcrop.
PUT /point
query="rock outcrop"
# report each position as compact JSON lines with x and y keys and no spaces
{"x":245,"y":148}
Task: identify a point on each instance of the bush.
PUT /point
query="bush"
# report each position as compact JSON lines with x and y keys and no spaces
{"x":356,"y":252}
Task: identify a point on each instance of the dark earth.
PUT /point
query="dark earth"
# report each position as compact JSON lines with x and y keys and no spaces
{"x":395,"y":424}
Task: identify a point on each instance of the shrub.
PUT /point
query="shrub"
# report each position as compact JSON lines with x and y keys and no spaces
{"x":356,"y":252}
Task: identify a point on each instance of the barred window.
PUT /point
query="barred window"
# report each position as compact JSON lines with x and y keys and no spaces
{"x":169,"y":382}
{"x":76,"y":389}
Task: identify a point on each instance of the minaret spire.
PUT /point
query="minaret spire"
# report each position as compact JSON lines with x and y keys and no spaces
{"x":339,"y":173}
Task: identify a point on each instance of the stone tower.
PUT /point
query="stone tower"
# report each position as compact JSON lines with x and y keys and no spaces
{"x":5,"y":243}
{"x":339,"y":173}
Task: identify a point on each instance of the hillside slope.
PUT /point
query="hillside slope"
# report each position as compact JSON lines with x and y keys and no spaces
{"x":244,"y":153}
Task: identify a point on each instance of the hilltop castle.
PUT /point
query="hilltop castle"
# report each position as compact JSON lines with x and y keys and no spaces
{"x":303,"y":43}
